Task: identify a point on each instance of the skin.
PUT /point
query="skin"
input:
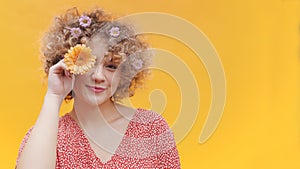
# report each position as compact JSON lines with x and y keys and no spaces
{"x":89,"y":104}
{"x":40,"y":150}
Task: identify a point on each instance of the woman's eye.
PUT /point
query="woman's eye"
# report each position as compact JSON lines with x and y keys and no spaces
{"x":113,"y":67}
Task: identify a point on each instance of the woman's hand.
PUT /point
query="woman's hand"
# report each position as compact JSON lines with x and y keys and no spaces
{"x":60,"y":80}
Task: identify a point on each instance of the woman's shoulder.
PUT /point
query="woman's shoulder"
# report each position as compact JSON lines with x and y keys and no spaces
{"x":148,"y":123}
{"x":145,"y":116}
{"x":148,"y":135}
{"x":142,"y":116}
{"x":65,"y":120}
{"x":67,"y":126}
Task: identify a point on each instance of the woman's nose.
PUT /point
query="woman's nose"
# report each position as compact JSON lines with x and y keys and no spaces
{"x":98,"y":74}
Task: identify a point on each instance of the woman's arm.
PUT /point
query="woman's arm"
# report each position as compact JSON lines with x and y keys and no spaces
{"x":40,"y":149}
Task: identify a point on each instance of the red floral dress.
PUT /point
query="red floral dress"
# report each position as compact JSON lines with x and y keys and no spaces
{"x":148,"y":143}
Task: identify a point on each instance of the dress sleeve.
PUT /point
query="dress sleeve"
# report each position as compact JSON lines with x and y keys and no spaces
{"x":23,"y":143}
{"x":168,"y":156}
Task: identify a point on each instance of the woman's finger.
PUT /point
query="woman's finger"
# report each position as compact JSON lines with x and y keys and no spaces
{"x":59,"y":67}
{"x":67,"y":73}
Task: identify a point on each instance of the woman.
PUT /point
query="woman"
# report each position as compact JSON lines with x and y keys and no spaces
{"x":96,"y":61}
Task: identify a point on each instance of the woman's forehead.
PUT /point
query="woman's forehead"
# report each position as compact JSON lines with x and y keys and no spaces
{"x":99,"y":47}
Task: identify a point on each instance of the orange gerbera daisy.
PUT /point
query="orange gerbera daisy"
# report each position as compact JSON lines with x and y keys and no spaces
{"x":79,"y":59}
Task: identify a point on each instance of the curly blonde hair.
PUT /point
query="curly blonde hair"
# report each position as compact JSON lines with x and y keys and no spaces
{"x":128,"y":47}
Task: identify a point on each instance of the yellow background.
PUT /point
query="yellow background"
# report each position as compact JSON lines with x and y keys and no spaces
{"x":258,"y":44}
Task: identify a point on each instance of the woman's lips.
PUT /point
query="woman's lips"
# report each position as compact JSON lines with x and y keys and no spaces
{"x":96,"y":89}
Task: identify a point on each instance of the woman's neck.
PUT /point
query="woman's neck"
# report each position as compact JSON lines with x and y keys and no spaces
{"x":97,"y":123}
{"x":107,"y":111}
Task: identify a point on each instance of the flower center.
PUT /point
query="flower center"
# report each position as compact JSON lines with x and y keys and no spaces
{"x":81,"y":60}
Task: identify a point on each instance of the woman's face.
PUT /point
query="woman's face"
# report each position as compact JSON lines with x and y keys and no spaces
{"x":99,"y":84}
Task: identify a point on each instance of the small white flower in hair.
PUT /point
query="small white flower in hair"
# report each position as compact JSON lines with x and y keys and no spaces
{"x":85,"y":21}
{"x":75,"y":32}
{"x":114,"y":32}
{"x":138,"y":64}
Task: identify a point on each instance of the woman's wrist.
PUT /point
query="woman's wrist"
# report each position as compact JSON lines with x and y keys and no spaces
{"x":54,"y":97}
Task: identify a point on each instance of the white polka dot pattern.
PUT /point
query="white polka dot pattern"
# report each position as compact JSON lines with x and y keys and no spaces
{"x":148,"y":143}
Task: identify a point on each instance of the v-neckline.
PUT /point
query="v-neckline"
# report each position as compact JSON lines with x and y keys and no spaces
{"x":89,"y":147}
